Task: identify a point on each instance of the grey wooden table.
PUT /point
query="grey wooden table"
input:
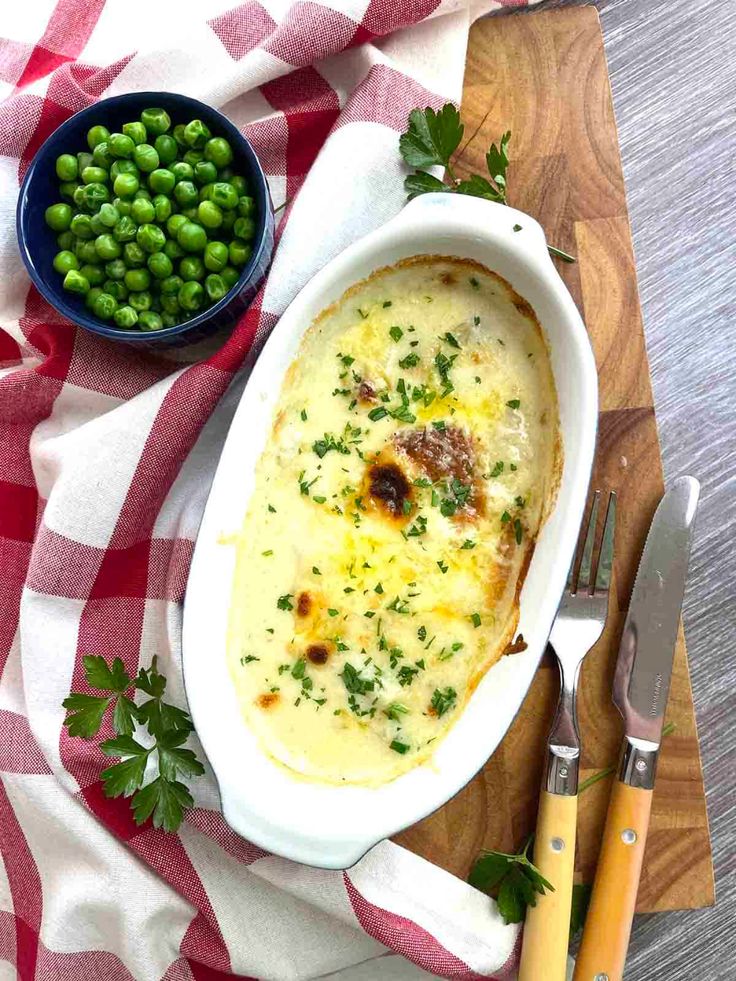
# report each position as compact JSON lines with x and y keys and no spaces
{"x":673,"y":72}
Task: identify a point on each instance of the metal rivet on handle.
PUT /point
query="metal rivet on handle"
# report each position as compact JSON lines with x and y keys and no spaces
{"x":557,"y":845}
{"x":563,"y":771}
{"x":628,"y":836}
{"x":601,"y":977}
{"x":641,"y":765}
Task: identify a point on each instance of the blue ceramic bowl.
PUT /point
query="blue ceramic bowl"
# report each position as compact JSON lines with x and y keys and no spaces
{"x":40,"y":189}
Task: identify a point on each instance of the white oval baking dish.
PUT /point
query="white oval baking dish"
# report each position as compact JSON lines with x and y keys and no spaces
{"x":331,"y":826}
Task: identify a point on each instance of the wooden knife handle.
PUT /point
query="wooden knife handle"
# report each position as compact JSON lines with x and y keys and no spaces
{"x":608,"y":923}
{"x":547,"y":927}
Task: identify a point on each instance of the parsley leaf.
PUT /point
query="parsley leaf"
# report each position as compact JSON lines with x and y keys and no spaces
{"x":513,"y":879}
{"x":432,"y":137}
{"x":165,"y":800}
{"x":86,"y":714}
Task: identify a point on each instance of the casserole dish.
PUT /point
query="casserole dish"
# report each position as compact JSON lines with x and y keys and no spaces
{"x":332,"y":826}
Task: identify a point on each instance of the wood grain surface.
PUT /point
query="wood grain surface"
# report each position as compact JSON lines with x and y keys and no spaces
{"x":544,"y":76}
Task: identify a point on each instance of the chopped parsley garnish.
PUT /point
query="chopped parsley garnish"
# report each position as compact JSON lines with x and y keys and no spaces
{"x":474,"y":283}
{"x":318,"y":500}
{"x":443,"y":700}
{"x":442,"y":566}
{"x":410,"y":361}
{"x":354,"y":682}
{"x":248,"y":659}
{"x":298,"y":669}
{"x":517,"y":530}
{"x":519,"y":501}
{"x":284,"y":602}
{"x":386,"y":303}
{"x":378,"y":588}
{"x":422,"y":633}
{"x":476,"y":321}
{"x":439,"y":424}
{"x":323,"y":446}
{"x":346,"y":359}
{"x":505,"y":517}
{"x":398,"y":605}
{"x":516,"y":228}
{"x":475,"y":619}
{"x":468,"y":544}
{"x":512,"y":466}
{"x":333,"y":613}
{"x":378,"y":413}
{"x":267,"y":552}
{"x":406,"y":675}
{"x":497,"y":469}
{"x":363,"y":314}
{"x":418,"y":528}
{"x":450,"y":339}
{"x":272,"y":509}
{"x":443,"y":365}
{"x":304,"y":485}
{"x":399,"y":747}
{"x":395,"y":710}
{"x":303,"y":415}
{"x":316,"y":571}
{"x":513,"y":403}
{"x":370,"y":614}
{"x":396,"y":333}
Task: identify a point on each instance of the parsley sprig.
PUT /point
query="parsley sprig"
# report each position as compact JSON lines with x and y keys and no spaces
{"x":431,"y":139}
{"x":514,"y":879}
{"x":164,"y":727}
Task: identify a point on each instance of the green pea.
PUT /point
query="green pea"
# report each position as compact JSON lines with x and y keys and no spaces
{"x":136,"y":131}
{"x":209,"y":214}
{"x":205,"y":192}
{"x":169,"y":319}
{"x":182,"y":171}
{"x":94,"y":175}
{"x":67,"y":189}
{"x":191,"y":267}
{"x":66,"y":167}
{"x":75,"y":282}
{"x":161,"y":181}
{"x":224,"y":195}
{"x":124,"y":167}
{"x":109,"y":214}
{"x":91,"y":296}
{"x":125,"y":229}
{"x":64,"y":261}
{"x":190,"y":213}
{"x":115,"y":269}
{"x":191,"y":237}
{"x":134,"y":255}
{"x":215,"y":256}
{"x":171,"y":284}
{"x":196,"y":134}
{"x":245,"y":228}
{"x":215,"y":286}
{"x":191,"y":295}
{"x":104,"y":306}
{"x":146,"y":158}
{"x":79,"y":197}
{"x":59,"y":217}
{"x":246,"y":207}
{"x":121,"y":146}
{"x":160,"y":265}
{"x":116,"y":288}
{"x":148,"y":320}
{"x":186,"y":194}
{"x":137,"y":279}
{"x":95,"y":195}
{"x":175,"y":223}
{"x":193,"y":157}
{"x":96,"y":225}
{"x":161,"y":208}
{"x":86,"y":252}
{"x":218,"y":150}
{"x":228,"y":220}
{"x":101,"y":156}
{"x":150,"y":238}
{"x":166,"y":148}
{"x":124,"y":207}
{"x":156,"y":121}
{"x":125,"y":317}
{"x":93,"y":274}
{"x":106,"y":247}
{"x":143,"y":194}
{"x":239,"y":252}
{"x":66,"y":240}
{"x":240,"y":184}
{"x":140,"y":301}
{"x":97,"y":134}
{"x":81,"y":226}
{"x":205,"y":173}
{"x":172,"y":249}
{"x":178,"y":133}
{"x":169,"y":301}
{"x":142,"y":211}
{"x":125,"y":185}
{"x":230,"y":275}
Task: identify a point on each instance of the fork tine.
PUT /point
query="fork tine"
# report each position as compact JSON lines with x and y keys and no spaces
{"x":605,"y":562}
{"x":586,"y":562}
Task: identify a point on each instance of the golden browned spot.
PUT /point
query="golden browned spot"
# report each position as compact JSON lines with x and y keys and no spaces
{"x":303,"y":603}
{"x":317,"y":653}
{"x":445,"y":453}
{"x":267,"y":700}
{"x":523,"y":307}
{"x":447,"y":278}
{"x":516,"y":646}
{"x":388,"y":487}
{"x":366,"y":392}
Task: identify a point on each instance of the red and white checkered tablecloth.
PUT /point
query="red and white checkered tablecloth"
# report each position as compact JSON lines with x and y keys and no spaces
{"x":105,"y":460}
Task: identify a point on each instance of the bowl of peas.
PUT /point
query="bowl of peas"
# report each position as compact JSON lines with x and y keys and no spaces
{"x":146,"y":218}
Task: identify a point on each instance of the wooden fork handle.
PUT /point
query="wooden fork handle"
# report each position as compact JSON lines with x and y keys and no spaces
{"x":547,"y":927}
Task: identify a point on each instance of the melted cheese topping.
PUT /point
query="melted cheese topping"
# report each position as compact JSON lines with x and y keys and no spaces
{"x":413,"y":456}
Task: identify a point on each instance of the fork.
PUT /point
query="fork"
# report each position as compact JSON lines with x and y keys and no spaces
{"x":579,"y":624}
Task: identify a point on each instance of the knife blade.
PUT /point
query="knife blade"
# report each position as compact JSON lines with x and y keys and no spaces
{"x":646,"y":653}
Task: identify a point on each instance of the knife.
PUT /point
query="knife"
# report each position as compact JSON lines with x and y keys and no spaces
{"x":640,"y":688}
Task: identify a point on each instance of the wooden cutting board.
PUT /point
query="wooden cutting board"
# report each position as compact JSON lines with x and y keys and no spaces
{"x":544,"y":77}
